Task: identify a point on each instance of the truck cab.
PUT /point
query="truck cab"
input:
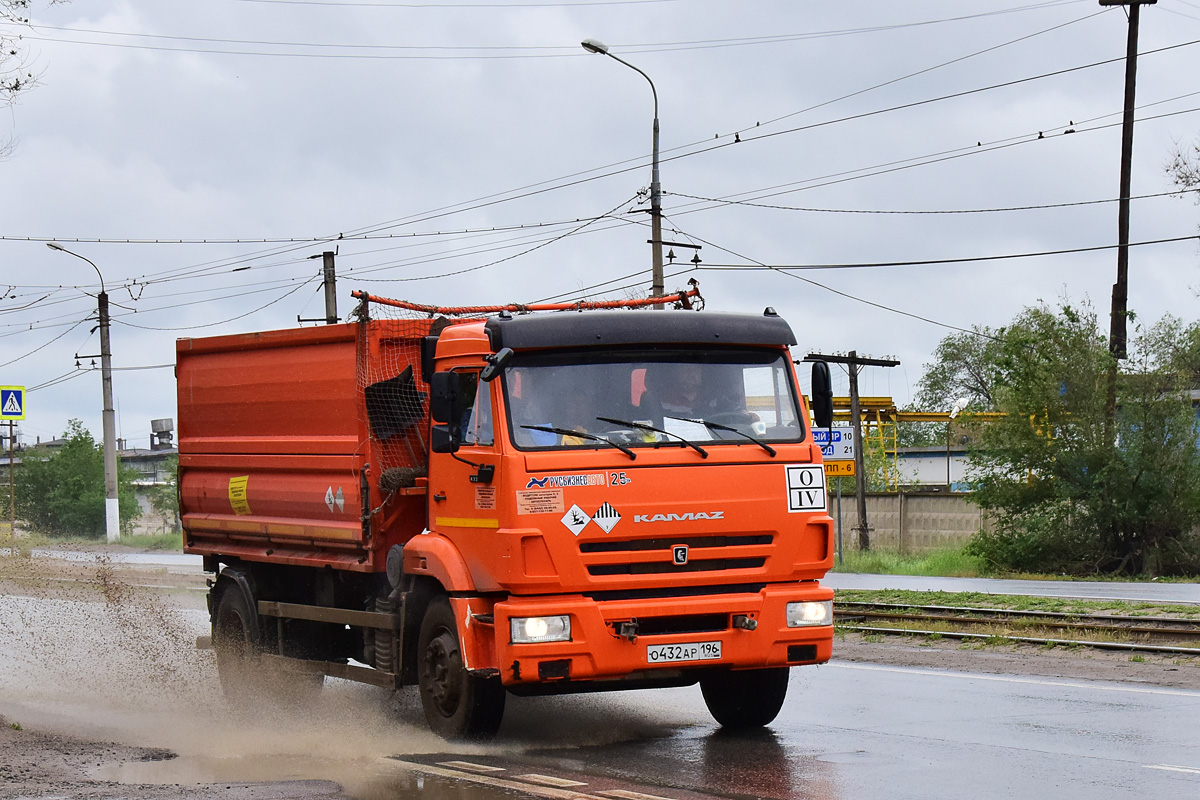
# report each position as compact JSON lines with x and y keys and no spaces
{"x":636,"y":500}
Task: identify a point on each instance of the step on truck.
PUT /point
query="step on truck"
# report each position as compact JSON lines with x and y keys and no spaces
{"x":526,"y":500}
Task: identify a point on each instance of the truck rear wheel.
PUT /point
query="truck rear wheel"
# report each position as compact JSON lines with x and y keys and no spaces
{"x":245,"y":676}
{"x":236,"y":640}
{"x":746,"y":698}
{"x":457,"y":705}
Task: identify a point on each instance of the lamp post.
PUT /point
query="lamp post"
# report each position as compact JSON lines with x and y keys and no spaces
{"x":112,"y":513}
{"x":657,"y":289}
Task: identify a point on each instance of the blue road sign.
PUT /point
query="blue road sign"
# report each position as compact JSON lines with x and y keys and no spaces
{"x":12,"y":403}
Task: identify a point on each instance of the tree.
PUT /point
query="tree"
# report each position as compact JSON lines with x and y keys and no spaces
{"x":1071,"y":491}
{"x":1184,"y":167}
{"x":964,"y":365}
{"x":16,"y":77}
{"x":62,"y":493}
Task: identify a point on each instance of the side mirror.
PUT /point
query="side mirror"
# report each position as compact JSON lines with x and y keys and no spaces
{"x":448,"y":394}
{"x":495,"y":364}
{"x":441,"y":440}
{"x":822,"y":395}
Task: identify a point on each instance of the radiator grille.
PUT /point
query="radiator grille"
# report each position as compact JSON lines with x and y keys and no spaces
{"x":608,"y":557}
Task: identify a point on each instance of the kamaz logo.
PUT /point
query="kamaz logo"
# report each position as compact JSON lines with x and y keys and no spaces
{"x":689,"y":516}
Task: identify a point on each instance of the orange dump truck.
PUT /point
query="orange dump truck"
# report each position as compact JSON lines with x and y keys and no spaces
{"x":533,"y":503}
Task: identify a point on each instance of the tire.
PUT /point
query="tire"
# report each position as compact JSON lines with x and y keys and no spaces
{"x":245,"y":677}
{"x":238,"y":645}
{"x":745,"y":699}
{"x":457,"y":705}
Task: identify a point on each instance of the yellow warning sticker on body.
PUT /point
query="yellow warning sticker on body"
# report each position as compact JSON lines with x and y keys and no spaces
{"x":238,"y":495}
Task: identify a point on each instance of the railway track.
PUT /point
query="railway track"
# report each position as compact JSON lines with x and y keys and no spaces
{"x":1173,"y":635}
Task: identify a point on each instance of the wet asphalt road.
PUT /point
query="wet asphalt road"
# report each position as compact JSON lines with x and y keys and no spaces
{"x":848,"y":732}
{"x":863,"y":732}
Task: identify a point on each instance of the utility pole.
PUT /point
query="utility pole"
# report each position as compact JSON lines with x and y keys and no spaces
{"x":331,"y":315}
{"x":1117,"y":336}
{"x":12,"y":485}
{"x":112,"y":507}
{"x":854,"y":364}
{"x":329,"y":281}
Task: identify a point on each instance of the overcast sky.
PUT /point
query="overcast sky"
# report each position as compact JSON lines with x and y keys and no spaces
{"x":426,"y":125}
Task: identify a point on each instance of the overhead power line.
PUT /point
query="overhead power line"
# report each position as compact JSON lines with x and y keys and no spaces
{"x":759,"y":266}
{"x":284,"y":296}
{"x":997,"y":210}
{"x":459,"y":52}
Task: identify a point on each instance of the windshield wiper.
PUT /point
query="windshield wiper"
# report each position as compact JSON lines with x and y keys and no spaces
{"x":716,"y":426}
{"x":644,"y":427}
{"x":568,"y":432}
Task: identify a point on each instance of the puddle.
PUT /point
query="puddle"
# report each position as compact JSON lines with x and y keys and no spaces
{"x":362,"y":779}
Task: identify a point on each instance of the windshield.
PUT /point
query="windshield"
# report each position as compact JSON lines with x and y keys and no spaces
{"x":651,"y":397}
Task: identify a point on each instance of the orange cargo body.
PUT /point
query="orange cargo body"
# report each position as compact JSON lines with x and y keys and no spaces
{"x":274,"y":450}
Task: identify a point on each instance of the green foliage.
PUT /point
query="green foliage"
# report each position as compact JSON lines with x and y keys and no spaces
{"x":965,"y":365}
{"x":952,"y":562}
{"x":920,"y":434}
{"x":1075,"y":490}
{"x":61,"y":494}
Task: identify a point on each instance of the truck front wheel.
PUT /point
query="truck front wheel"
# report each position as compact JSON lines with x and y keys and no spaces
{"x":747,"y":698}
{"x":457,"y":705}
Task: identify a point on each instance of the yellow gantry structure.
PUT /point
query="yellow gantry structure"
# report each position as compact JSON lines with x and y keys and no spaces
{"x":879,"y":418}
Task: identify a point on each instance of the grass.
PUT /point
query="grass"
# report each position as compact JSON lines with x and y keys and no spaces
{"x":952,"y":563}
{"x":1016,"y":602}
{"x":160,"y":541}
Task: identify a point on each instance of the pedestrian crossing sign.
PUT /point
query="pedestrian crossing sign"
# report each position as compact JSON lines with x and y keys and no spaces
{"x":12,"y":402}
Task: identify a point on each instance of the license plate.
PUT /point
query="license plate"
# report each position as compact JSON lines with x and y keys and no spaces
{"x":690,"y":651}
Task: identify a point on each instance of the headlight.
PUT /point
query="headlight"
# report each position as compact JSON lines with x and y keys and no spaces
{"x":802,"y":614}
{"x":530,"y":630}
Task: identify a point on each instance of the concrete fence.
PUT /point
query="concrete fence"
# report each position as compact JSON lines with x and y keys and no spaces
{"x":911,"y":523}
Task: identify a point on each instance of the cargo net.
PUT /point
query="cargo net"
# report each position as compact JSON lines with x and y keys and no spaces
{"x":394,"y":391}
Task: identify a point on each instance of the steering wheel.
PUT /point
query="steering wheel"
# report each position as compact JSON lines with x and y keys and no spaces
{"x":731,"y":418}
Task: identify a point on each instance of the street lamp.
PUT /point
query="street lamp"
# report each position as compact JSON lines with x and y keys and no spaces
{"x":657,"y":290}
{"x":112,"y":512}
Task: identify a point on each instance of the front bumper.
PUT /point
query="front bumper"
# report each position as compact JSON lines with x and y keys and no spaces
{"x":598,"y":652}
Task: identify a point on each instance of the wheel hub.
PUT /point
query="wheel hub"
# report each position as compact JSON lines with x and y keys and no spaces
{"x":443,"y":665}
